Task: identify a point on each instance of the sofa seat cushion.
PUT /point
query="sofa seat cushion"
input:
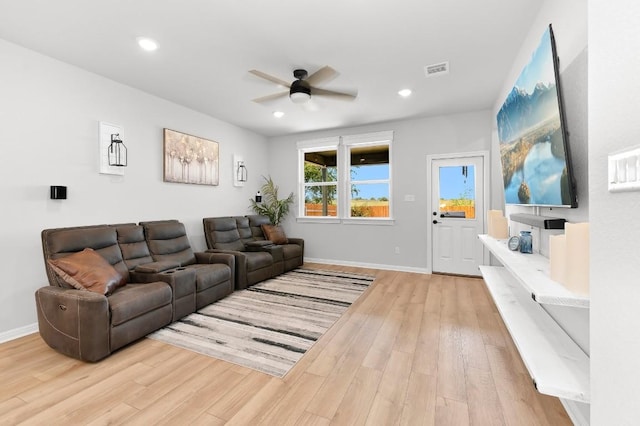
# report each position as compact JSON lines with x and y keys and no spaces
{"x":133,"y":300}
{"x":291,"y":251}
{"x":210,"y":275}
{"x":258,"y":260}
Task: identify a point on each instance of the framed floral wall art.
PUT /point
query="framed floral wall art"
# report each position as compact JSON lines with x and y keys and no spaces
{"x":190,"y":159}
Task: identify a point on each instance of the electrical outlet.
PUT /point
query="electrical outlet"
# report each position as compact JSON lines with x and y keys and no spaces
{"x":397,"y":250}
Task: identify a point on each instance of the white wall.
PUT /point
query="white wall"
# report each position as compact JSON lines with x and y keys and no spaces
{"x":375,"y":244}
{"x":49,"y":114}
{"x":614,"y":90}
{"x":569,"y":22}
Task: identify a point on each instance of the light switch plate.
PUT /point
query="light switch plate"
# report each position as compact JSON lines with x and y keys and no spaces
{"x":624,"y":170}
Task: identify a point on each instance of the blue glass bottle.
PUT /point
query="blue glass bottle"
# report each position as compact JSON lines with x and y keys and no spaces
{"x":526,"y":242}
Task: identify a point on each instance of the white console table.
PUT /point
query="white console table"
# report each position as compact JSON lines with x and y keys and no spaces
{"x":555,"y":362}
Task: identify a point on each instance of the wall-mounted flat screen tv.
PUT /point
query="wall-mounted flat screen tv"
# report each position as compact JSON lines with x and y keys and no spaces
{"x":534,"y":151}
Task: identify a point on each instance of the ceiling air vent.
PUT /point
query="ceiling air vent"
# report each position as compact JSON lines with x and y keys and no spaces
{"x":436,"y":69}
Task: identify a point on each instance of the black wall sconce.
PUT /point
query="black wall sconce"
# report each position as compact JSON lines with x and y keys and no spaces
{"x":258,"y":197}
{"x":117,"y":151}
{"x":58,"y":192}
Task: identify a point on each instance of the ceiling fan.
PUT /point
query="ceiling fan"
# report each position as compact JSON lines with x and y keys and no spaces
{"x":304,"y":86}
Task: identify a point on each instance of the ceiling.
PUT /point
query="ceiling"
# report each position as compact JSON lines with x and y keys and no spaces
{"x":207,"y":47}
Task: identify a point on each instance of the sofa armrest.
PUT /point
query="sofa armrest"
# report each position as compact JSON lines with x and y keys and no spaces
{"x":155,"y":267}
{"x":240,"y":269}
{"x":274,"y":250}
{"x":172,"y":277}
{"x":298,"y":241}
{"x":227,"y":258}
{"x":74,"y":322}
{"x":258,"y":244}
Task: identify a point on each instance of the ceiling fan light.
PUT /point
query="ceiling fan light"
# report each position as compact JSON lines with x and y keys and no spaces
{"x":300,"y":92}
{"x":299,"y":97}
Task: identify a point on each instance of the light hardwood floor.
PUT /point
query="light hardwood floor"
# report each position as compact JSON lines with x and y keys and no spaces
{"x":413,"y":350}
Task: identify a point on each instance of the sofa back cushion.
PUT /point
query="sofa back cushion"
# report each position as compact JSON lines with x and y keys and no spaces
{"x":243,"y":229}
{"x":255,"y":222}
{"x":133,"y":245}
{"x":61,"y":242}
{"x":222,"y":233}
{"x":167,"y":241}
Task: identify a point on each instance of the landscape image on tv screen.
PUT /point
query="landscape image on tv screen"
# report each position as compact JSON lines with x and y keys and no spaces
{"x":535,"y":167}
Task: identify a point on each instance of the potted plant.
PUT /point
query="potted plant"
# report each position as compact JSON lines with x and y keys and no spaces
{"x":276,"y":210}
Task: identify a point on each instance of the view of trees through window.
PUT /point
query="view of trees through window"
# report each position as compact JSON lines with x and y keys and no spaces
{"x":457,"y":190}
{"x":321,"y":199}
{"x":368,"y":181}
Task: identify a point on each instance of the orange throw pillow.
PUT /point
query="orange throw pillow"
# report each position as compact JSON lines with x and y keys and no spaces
{"x":87,"y":270}
{"x":275,"y":234}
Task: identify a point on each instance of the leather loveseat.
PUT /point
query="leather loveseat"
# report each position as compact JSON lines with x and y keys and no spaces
{"x":113,"y":284}
{"x":256,"y":258}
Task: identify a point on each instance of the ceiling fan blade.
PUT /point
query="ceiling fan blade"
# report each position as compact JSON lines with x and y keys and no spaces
{"x":271,"y":78}
{"x":271,"y":97}
{"x":323,"y":74}
{"x":332,"y":94}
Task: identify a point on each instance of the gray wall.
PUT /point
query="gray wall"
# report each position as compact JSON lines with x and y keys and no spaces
{"x":375,"y":244}
{"x":614,"y":90}
{"x":49,"y":134}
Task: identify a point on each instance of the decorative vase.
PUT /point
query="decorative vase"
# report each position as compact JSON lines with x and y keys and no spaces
{"x":526,"y":243}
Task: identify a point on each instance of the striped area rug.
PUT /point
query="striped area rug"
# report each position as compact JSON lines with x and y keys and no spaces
{"x":269,"y":326}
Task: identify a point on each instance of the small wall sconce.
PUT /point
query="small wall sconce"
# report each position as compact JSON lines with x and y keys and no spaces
{"x":239,"y":171}
{"x":58,"y":192}
{"x":109,"y":134}
{"x":258,"y":197}
{"x":117,"y":151}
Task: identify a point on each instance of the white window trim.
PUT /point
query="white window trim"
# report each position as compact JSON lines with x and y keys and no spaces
{"x":342,"y":145}
{"x":313,"y":145}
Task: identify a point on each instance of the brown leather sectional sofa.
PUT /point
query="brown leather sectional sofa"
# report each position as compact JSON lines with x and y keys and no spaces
{"x":154,"y":278}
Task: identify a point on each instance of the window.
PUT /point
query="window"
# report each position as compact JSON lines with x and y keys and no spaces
{"x":319,"y":177}
{"x":458,"y":191}
{"x":346,"y":177}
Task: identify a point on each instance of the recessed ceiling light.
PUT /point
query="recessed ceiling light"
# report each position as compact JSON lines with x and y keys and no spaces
{"x":278,"y":114}
{"x":147,"y":44}
{"x":405,"y":93}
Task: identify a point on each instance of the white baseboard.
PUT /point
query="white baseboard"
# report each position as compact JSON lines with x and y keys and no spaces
{"x":18,"y":332}
{"x":369,"y":265}
{"x":578,"y":412}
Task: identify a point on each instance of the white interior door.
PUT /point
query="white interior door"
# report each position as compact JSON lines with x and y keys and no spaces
{"x":457,"y":216}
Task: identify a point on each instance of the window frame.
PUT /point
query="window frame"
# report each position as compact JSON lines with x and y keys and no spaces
{"x":343,"y":146}
{"x":316,"y":145}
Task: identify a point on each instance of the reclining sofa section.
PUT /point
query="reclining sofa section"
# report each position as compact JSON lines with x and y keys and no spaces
{"x":162,"y":280}
{"x":257,"y":259}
